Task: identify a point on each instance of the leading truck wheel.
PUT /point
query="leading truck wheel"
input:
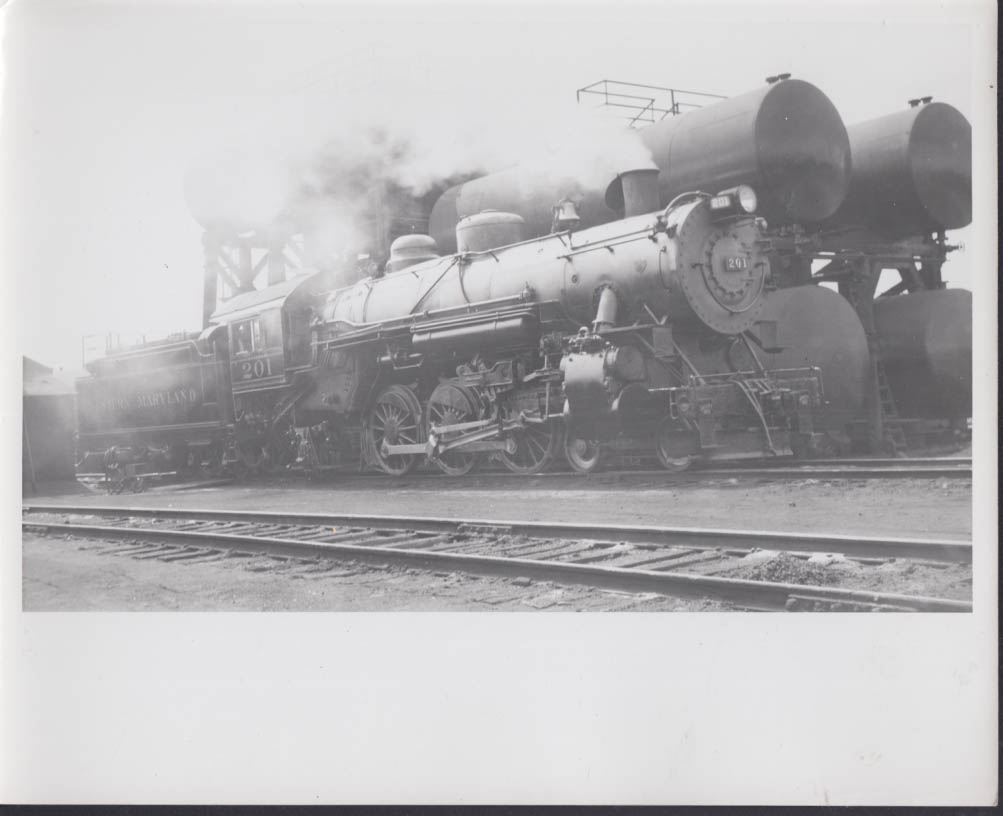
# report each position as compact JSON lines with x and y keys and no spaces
{"x":395,"y":418}
{"x":450,"y":405}
{"x":584,"y":455}
{"x":536,"y":445}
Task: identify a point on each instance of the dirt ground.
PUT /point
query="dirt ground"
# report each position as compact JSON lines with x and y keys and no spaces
{"x":61,"y":574}
{"x":921,"y":508}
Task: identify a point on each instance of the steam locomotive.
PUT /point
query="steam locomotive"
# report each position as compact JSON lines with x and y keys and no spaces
{"x":571,"y":342}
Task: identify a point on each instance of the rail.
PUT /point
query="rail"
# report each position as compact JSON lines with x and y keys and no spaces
{"x":629,"y":558}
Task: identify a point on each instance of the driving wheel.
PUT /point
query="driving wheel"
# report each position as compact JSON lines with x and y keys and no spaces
{"x":395,"y":418}
{"x":451,"y":404}
{"x":536,"y":445}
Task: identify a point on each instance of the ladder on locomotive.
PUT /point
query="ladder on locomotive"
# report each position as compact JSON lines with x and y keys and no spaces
{"x":893,"y":431}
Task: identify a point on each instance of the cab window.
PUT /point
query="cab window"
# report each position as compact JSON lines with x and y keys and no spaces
{"x":248,"y":337}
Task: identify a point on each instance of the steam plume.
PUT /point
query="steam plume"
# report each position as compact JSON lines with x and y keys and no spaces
{"x":313,"y":167}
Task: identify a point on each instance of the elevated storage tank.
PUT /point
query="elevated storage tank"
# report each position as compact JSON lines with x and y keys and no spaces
{"x":926,"y":349}
{"x":785,"y":139}
{"x":815,"y":327}
{"x":912,"y":172}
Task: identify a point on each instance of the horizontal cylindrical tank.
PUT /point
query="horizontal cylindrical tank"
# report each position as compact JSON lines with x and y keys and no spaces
{"x":234,"y":193}
{"x":926,"y":349}
{"x":786,"y":140}
{"x":814,"y":327}
{"x":912,"y":172}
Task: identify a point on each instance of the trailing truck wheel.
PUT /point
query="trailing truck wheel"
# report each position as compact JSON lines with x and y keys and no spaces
{"x":584,"y":455}
{"x":673,"y":453}
{"x":395,"y":418}
{"x":450,"y":405}
{"x":536,"y":446}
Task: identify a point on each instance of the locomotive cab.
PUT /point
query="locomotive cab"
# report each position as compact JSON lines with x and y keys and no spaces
{"x":268,"y":333}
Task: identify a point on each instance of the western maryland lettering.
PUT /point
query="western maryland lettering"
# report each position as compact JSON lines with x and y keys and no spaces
{"x":155,"y":399}
{"x":150,"y":400}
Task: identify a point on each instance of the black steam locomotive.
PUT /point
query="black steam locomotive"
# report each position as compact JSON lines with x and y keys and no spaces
{"x":569,"y":343}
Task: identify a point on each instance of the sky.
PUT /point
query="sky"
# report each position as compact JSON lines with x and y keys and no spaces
{"x":107,"y":106}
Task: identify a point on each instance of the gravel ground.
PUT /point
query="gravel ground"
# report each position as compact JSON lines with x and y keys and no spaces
{"x":68,"y":574}
{"x":63,"y":574}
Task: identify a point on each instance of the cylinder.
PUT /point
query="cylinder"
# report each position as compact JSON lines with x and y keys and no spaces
{"x":926,"y":350}
{"x":912,"y":172}
{"x":815,"y":327}
{"x":786,"y":140}
{"x":489,"y":229}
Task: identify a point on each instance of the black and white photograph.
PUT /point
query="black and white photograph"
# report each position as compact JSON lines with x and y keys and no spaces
{"x":345,"y":329}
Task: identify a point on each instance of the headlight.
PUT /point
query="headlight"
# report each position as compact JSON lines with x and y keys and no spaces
{"x":747,"y":198}
{"x":741,"y":200}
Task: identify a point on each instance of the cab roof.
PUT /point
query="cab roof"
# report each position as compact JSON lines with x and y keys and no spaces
{"x":271,"y":297}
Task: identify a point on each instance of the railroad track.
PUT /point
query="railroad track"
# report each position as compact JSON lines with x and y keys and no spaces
{"x":760,"y":469}
{"x":778,"y":471}
{"x":678,"y":562}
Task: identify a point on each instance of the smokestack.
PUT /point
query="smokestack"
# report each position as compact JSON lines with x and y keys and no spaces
{"x":634,"y":192}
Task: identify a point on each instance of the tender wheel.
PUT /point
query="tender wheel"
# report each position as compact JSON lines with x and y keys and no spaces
{"x":252,"y":456}
{"x":211,"y":464}
{"x":450,"y":405}
{"x":536,"y":446}
{"x":584,"y":455}
{"x":672,"y":448}
{"x":396,"y":419}
{"x":280,"y":450}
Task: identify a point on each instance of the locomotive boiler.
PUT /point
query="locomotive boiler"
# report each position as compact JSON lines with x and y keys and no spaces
{"x":564,"y":341}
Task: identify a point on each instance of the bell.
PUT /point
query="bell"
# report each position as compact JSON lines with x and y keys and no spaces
{"x":566,"y":215}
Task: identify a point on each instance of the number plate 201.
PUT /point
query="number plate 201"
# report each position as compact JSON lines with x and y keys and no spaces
{"x":735,"y":263}
{"x":255,"y":369}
